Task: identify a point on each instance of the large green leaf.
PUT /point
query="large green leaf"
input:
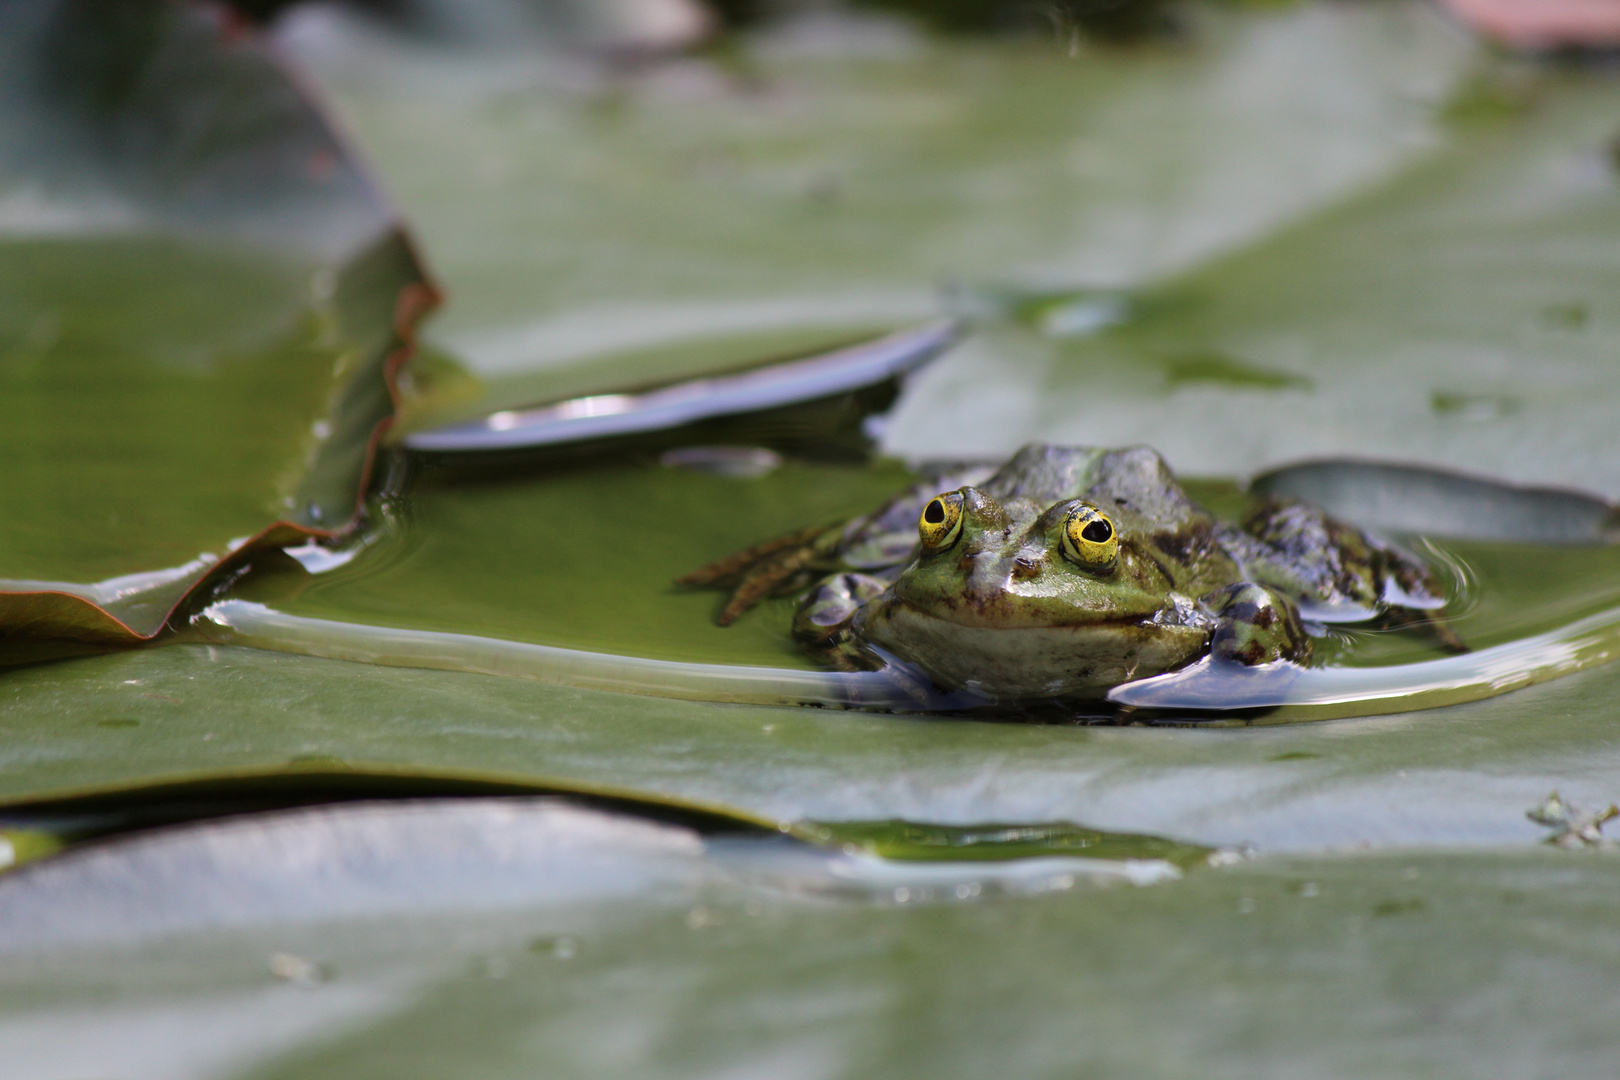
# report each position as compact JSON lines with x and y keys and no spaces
{"x":202,"y":306}
{"x":491,"y":940}
{"x":479,"y":570}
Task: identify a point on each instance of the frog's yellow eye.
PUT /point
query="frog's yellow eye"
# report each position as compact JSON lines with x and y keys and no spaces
{"x":1090,"y":540}
{"x":941,"y":521}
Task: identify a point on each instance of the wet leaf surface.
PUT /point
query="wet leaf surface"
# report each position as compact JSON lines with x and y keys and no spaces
{"x":921,"y":842}
{"x":1408,"y":499}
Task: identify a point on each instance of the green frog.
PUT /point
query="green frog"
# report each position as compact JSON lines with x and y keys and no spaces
{"x":1070,"y":570}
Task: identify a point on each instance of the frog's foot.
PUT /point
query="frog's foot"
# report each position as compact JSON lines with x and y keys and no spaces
{"x":761,"y":571}
{"x":1254,"y":625}
{"x":821,"y":625}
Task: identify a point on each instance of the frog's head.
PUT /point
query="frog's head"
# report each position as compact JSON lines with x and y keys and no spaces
{"x":1026,"y":600}
{"x":1074,"y":563}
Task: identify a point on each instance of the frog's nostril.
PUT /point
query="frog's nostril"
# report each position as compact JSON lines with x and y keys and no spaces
{"x":1025,"y":567}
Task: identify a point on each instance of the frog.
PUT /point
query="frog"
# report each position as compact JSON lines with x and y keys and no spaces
{"x":1068,"y":571}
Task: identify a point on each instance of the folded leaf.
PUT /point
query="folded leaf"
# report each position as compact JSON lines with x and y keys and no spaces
{"x":203,"y":302}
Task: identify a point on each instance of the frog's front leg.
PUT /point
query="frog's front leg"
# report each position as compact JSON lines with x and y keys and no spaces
{"x":1255,"y":625}
{"x":822,"y":623}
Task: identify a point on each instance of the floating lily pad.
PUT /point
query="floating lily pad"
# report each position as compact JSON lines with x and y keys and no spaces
{"x":817,"y":404}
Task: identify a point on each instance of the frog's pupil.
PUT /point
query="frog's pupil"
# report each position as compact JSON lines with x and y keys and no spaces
{"x":1097,"y":532}
{"x":934,"y":513}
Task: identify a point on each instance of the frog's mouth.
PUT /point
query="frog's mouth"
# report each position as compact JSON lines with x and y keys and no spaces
{"x":1013,"y":612}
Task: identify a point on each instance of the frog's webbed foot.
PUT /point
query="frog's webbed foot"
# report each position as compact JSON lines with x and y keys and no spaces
{"x":764,"y":570}
{"x":1413,"y":599}
{"x":1254,"y":625}
{"x":1428,"y":621}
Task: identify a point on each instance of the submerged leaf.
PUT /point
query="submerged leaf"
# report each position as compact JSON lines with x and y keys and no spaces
{"x":1438,"y":502}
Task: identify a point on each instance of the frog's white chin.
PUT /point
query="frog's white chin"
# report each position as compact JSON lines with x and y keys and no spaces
{"x":1082,"y":661}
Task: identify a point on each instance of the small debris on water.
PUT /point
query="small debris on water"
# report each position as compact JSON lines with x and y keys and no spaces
{"x":562,"y":947}
{"x":1227,"y":856}
{"x":295,"y":969}
{"x":1577,"y":828}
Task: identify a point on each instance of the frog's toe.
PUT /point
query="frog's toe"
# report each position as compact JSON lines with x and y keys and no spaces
{"x":1254,"y":625}
{"x":781,"y":573}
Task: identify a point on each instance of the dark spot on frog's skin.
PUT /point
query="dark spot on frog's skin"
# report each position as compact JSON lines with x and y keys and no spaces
{"x":1249,"y":655}
{"x":1187,"y":546}
{"x":965,"y":563}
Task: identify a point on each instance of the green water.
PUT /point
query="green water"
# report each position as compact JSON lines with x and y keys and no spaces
{"x":587,"y":557}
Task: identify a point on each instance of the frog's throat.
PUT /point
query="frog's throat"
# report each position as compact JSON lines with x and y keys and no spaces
{"x":1029,"y":662}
